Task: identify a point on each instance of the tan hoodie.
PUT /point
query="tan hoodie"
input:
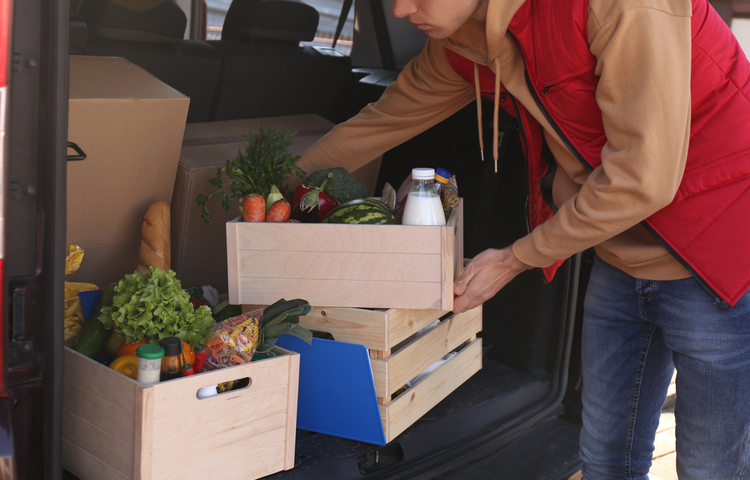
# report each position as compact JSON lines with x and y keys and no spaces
{"x":643,"y":61}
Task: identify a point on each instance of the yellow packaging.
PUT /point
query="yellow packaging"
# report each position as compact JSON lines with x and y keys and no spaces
{"x":74,"y":318}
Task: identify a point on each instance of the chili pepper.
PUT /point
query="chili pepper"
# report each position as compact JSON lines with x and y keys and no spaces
{"x":200,"y":358}
{"x":187,"y":369}
{"x":308,"y":201}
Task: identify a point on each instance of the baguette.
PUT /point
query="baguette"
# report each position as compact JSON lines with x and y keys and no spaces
{"x":155,"y":238}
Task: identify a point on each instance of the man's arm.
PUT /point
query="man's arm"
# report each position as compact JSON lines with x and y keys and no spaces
{"x":644,"y":95}
{"x":643,"y":63}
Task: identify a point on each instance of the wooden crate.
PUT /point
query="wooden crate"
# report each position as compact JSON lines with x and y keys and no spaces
{"x":364,"y":266}
{"x":401,"y":412}
{"x":117,"y":428}
{"x":391,"y":371}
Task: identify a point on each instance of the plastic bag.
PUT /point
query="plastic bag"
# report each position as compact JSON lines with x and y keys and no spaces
{"x":233,"y":341}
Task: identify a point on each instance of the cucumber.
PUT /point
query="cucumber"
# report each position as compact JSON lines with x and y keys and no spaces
{"x":94,"y":335}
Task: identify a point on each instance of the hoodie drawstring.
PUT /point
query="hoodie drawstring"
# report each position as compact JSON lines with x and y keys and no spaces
{"x":495,"y":129}
{"x":479,"y":110}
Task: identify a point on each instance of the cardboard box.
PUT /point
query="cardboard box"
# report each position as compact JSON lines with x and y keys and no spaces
{"x":130,"y":125}
{"x":339,"y":265}
{"x":116,"y":428}
{"x":199,"y":255}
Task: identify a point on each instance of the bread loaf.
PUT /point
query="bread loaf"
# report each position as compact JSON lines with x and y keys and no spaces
{"x":155,"y":238}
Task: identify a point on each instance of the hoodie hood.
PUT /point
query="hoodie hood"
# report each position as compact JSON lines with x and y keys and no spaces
{"x":486,"y":43}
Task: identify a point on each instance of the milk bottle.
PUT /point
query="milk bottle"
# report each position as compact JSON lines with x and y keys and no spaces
{"x":423,"y":205}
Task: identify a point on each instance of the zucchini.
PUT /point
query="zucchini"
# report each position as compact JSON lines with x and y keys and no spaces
{"x":94,"y":335}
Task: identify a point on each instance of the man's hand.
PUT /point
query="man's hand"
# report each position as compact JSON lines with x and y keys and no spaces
{"x":484,"y":276}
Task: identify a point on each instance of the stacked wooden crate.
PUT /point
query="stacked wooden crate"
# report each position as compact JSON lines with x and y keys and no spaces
{"x":356,"y":271}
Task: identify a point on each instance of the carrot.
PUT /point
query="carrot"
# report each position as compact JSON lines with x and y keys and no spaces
{"x":279,"y":211}
{"x":254,"y":208}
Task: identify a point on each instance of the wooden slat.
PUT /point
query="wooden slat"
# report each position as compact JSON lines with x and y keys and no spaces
{"x":448,"y":244}
{"x":341,"y":293}
{"x":412,"y":404}
{"x":351,"y":325}
{"x":402,"y":323}
{"x":98,"y":443}
{"x":226,"y":445}
{"x":204,"y":420}
{"x":250,"y":465}
{"x":324,"y":237}
{"x":222,"y":451}
{"x":291,"y":413}
{"x":113,"y":387}
{"x":144,"y":435}
{"x":341,"y":266}
{"x":85,"y":466}
{"x":97,"y":411}
{"x":178,"y":395}
{"x":233,"y":263}
{"x":457,"y":217}
{"x":392,"y":373}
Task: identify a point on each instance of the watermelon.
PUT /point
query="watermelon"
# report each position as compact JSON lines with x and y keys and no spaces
{"x":364,"y":211}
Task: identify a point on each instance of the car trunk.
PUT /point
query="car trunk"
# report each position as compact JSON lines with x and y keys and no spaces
{"x":513,"y":412}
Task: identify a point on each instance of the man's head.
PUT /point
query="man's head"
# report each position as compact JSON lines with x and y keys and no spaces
{"x":439,"y":19}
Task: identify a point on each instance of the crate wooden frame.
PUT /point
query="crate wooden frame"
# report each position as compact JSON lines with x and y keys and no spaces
{"x":392,"y":371}
{"x":117,"y":428}
{"x":338,"y":265}
{"x":412,"y":404}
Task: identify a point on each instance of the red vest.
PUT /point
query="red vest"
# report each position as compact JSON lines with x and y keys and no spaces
{"x":707,"y":225}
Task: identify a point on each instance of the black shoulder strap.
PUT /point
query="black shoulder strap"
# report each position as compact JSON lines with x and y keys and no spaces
{"x":345,"y":7}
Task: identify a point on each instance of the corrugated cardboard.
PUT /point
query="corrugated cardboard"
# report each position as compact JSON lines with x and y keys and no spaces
{"x":130,"y":125}
{"x":199,"y":249}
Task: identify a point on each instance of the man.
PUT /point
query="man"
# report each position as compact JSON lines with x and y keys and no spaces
{"x":645,"y":105}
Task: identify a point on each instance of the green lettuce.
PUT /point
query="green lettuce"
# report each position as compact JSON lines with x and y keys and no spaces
{"x":153,"y":306}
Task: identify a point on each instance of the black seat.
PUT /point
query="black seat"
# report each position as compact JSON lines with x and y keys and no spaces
{"x":266,"y":71}
{"x":152,"y":37}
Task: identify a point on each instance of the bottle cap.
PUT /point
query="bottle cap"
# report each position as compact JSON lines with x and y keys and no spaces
{"x":172,"y":346}
{"x":442,"y":175}
{"x":423,"y":173}
{"x":150,"y":351}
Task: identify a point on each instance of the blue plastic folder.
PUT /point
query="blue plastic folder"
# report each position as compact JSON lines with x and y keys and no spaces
{"x":336,"y":390}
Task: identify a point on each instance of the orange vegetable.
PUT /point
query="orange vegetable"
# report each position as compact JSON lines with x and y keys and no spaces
{"x":279,"y":211}
{"x":189,"y":353}
{"x":254,"y":208}
{"x":128,"y":348}
{"x":127,"y":365}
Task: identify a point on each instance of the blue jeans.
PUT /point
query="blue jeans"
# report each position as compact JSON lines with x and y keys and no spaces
{"x":634,"y":333}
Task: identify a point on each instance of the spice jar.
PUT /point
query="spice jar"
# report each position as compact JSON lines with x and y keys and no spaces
{"x":170,"y":364}
{"x":423,"y":205}
{"x":441,"y":178}
{"x":149,"y":363}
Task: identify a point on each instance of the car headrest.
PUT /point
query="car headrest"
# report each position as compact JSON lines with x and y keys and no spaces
{"x":277,"y":21}
{"x":156,"y":21}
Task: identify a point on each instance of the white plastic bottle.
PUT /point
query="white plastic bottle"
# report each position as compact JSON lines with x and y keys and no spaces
{"x":423,"y":205}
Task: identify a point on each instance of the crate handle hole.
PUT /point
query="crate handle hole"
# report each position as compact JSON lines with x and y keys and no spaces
{"x":227,"y":387}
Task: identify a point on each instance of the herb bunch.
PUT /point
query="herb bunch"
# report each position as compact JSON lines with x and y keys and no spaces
{"x":265,"y":162}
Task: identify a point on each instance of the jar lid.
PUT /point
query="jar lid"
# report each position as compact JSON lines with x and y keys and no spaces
{"x":442,"y":175}
{"x":423,"y":173}
{"x":172,"y":346}
{"x":150,"y":351}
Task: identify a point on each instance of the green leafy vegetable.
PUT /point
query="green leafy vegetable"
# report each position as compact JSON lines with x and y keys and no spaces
{"x":264,"y":163}
{"x":154,"y":305}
